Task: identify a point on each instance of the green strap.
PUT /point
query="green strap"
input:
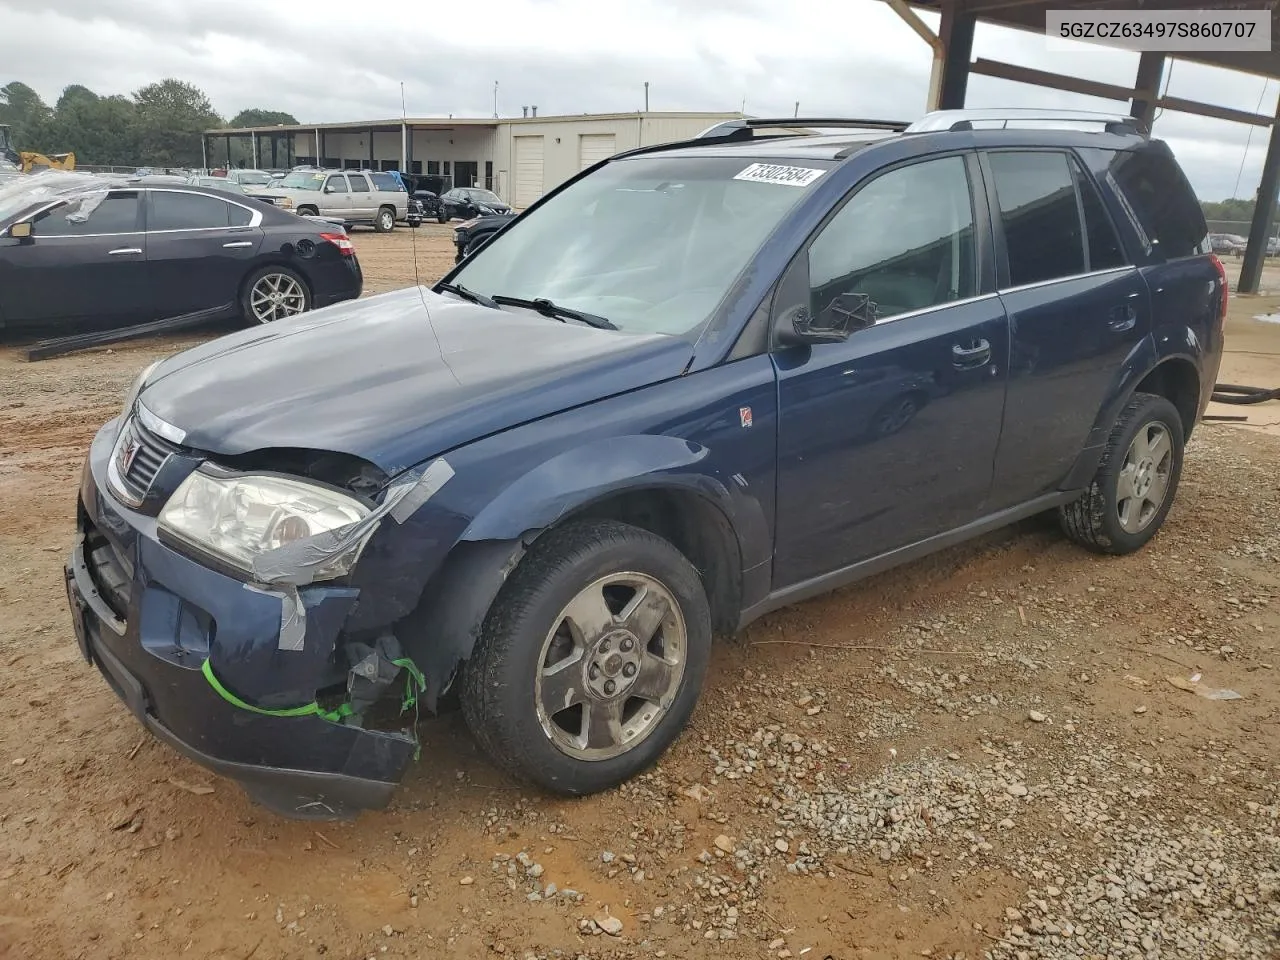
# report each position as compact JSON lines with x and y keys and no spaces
{"x":311,"y":709}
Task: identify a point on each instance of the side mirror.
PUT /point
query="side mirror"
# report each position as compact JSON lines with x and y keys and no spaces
{"x":20,"y":231}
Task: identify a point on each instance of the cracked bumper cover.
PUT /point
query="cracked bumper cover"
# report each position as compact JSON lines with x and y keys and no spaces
{"x":149,"y":622}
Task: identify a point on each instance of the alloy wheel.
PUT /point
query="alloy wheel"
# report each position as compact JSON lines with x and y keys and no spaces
{"x":276,"y":296}
{"x":610,"y":666}
{"x":1144,"y":478}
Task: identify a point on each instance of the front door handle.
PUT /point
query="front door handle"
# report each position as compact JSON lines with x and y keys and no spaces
{"x":238,"y":243}
{"x":976,"y":354}
{"x":124,"y":251}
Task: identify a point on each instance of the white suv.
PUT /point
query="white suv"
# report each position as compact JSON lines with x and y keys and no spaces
{"x":349,"y":197}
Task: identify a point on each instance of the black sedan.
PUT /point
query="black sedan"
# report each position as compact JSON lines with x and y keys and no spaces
{"x":471,"y":236}
{"x":79,"y":251}
{"x":469,"y":202}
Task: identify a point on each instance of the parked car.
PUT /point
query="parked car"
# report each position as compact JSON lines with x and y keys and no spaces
{"x":103,"y":253}
{"x":470,"y":236}
{"x":252,"y":180}
{"x":467,"y":202}
{"x":347,"y":196}
{"x":646,"y":411}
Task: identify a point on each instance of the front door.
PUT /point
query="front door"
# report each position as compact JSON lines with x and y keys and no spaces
{"x":199,"y":249}
{"x":88,"y":272}
{"x":889,"y":437}
{"x":337,"y":197}
{"x":1076,"y":311}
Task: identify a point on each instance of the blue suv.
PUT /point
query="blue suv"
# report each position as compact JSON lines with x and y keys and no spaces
{"x":693,"y":384}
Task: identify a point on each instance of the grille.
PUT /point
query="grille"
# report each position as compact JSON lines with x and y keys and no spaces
{"x":140,"y":455}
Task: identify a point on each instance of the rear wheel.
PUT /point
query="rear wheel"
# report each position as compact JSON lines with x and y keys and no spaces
{"x":274,"y":293}
{"x":591,"y":659}
{"x":385,"y":221}
{"x":1133,"y":489}
{"x":442,"y":216}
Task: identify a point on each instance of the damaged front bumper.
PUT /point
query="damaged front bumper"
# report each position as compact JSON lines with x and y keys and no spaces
{"x":149,"y":617}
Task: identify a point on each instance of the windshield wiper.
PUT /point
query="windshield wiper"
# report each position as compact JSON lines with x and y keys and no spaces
{"x":549,"y":309}
{"x":465,"y":294}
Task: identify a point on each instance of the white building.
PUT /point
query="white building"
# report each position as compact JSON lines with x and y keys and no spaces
{"x":520,"y":158}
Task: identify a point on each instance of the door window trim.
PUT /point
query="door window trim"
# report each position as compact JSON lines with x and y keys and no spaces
{"x":255,"y":216}
{"x":985,"y":276}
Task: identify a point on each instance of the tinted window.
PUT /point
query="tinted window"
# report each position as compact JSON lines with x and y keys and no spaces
{"x":337,"y":185}
{"x":905,"y":242}
{"x":185,"y":211}
{"x":385,"y":182}
{"x":1162,"y":200}
{"x":238,"y":216}
{"x":358,"y":183}
{"x":1041,"y":218}
{"x":1103,"y":247}
{"x":118,"y":213}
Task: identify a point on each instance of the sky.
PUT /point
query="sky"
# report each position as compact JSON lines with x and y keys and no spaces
{"x":329,"y":61}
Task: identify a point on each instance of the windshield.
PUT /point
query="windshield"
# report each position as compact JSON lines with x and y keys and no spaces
{"x":253,"y":179}
{"x":653,"y":243}
{"x":302,"y":181}
{"x":228,"y":185}
{"x":484,"y":196}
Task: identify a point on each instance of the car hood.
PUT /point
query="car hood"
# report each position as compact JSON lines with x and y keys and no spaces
{"x":397,"y":378}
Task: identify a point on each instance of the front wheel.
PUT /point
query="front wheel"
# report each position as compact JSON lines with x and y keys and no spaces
{"x":1133,"y":489}
{"x":591,"y":659}
{"x":442,"y":216}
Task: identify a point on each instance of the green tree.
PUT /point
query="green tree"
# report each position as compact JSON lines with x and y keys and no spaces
{"x":171,"y":116}
{"x":22,"y":109}
{"x":257,"y":117}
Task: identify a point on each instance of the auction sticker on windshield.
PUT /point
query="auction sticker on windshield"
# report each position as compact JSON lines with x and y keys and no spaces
{"x":778,"y":173}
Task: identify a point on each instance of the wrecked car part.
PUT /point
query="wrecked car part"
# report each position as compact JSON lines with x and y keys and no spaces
{"x":60,"y":346}
{"x":312,"y":558}
{"x":83,"y":192}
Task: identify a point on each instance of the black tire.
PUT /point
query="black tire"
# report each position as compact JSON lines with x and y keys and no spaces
{"x":247,"y":311}
{"x":442,"y":216}
{"x":498,"y":683}
{"x":308,"y":212}
{"x":1094,"y":520}
{"x":384,"y":220}
{"x":476,"y":244}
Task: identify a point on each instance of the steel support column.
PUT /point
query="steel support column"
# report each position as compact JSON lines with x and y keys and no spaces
{"x":372,"y":162}
{"x":1264,"y":209}
{"x":227,"y":139}
{"x":956,"y":34}
{"x":1147,"y":87}
{"x":275,"y":145}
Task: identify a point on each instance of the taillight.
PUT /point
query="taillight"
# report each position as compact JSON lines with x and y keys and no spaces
{"x":1226,"y":290}
{"x":342,"y":242}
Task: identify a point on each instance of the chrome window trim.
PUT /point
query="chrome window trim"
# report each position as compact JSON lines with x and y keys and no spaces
{"x":1075,"y":276}
{"x":160,"y":427}
{"x":942,"y":305}
{"x":255,"y":216}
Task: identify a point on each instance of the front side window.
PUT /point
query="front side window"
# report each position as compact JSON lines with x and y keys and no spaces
{"x":118,"y":213}
{"x":1040,"y":215}
{"x":651,"y":243}
{"x":904,"y":242}
{"x":186,"y":211}
{"x":336,"y":185}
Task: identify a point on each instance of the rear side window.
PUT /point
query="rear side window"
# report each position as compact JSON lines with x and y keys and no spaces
{"x":1102,"y":249}
{"x":1037,"y":200}
{"x":358,"y":183}
{"x":186,"y":211}
{"x":1163,"y":201}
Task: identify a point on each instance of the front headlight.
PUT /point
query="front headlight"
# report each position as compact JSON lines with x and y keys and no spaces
{"x":139,"y":382}
{"x":286,"y":203}
{"x":238,"y":519}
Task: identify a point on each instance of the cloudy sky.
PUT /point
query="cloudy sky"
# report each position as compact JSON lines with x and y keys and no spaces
{"x":324,"y":60}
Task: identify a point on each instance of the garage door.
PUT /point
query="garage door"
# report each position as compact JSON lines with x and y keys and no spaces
{"x":594,"y":147}
{"x":528,"y":171}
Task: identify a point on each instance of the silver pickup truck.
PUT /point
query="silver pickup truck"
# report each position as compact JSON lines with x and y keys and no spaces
{"x":352,"y":197}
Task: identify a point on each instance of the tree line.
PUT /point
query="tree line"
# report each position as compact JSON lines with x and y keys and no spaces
{"x":157,"y":125}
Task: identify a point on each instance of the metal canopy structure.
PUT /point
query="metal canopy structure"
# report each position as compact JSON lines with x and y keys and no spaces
{"x":952,"y":48}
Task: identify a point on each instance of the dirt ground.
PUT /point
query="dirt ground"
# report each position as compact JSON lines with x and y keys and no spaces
{"x":978,"y":754}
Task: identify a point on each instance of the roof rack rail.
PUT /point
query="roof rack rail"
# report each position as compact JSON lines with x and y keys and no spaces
{"x":965,"y":119}
{"x":743,"y":128}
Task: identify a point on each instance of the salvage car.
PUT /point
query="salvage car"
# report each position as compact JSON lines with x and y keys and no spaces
{"x":346,"y":196}
{"x":647,"y":411}
{"x":86,"y":252}
{"x":467,"y":202}
{"x":470,"y":236}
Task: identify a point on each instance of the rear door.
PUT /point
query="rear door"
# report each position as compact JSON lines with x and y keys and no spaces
{"x":199,"y":249}
{"x":364,"y":202}
{"x":336,"y":197}
{"x":1076,"y":307}
{"x":86,"y":273}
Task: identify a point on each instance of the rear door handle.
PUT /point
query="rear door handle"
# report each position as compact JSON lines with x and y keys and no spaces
{"x":977,"y":354}
{"x":238,"y":243}
{"x":124,"y":251}
{"x":1123,"y":319}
